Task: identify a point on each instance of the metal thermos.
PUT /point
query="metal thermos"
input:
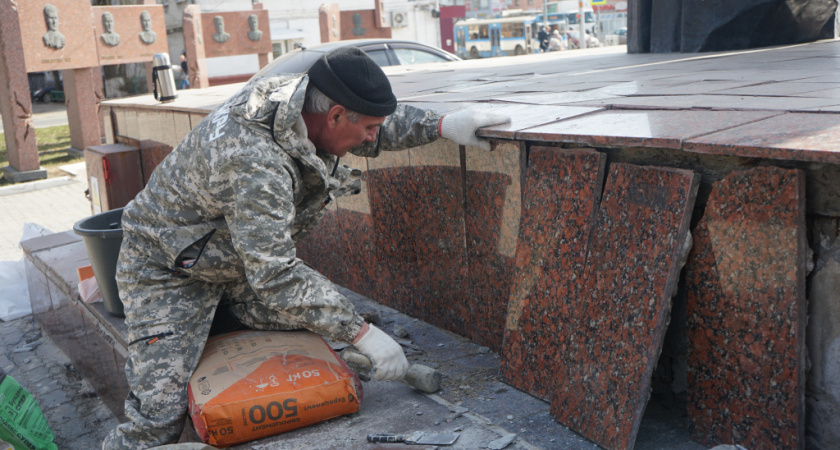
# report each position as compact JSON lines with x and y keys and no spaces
{"x":163,"y":78}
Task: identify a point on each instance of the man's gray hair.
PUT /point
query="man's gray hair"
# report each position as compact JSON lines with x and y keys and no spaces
{"x":318,"y":103}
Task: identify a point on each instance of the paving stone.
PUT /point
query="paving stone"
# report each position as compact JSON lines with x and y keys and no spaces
{"x":616,"y":322}
{"x":747,"y":312}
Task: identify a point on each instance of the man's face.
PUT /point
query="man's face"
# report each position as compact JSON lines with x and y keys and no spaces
{"x":345,"y":135}
{"x":252,"y":21}
{"x":108,"y":22}
{"x":146,"y":20}
{"x":52,"y":19}
{"x":220,"y":25}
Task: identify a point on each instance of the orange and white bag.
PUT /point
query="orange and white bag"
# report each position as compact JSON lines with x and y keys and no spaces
{"x":253,"y":384}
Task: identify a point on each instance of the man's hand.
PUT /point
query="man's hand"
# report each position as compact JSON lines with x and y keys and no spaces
{"x":387,"y":356}
{"x":460,"y":126}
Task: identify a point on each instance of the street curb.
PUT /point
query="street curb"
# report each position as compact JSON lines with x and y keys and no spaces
{"x":36,"y":185}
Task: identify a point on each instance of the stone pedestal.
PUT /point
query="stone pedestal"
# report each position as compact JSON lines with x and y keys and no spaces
{"x":15,"y":104}
{"x":194,"y":44}
{"x":80,"y":86}
{"x":17,"y":176}
{"x":329,"y":20}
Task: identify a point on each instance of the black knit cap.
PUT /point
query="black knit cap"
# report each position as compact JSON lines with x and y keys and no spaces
{"x":350,"y":77}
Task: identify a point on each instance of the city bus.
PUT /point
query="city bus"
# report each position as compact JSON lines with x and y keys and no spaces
{"x":503,"y":36}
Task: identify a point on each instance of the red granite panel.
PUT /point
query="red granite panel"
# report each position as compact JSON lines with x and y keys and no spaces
{"x":329,"y":21}
{"x":747,"y":312}
{"x":419,"y":237}
{"x":490,"y":271}
{"x":16,"y":105}
{"x":354,"y":242}
{"x":318,"y":248}
{"x":441,"y":273}
{"x":662,"y":129}
{"x":361,"y":24}
{"x":618,"y":316}
{"x":123,"y":45}
{"x":69,"y":45}
{"x":236,"y":36}
{"x":559,"y":201}
{"x":151,"y":154}
{"x":794,"y":136}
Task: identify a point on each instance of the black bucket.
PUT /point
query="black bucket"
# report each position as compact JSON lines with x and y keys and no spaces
{"x":102,"y":235}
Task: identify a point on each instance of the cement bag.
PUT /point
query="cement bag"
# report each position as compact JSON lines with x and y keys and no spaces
{"x":22,"y":424}
{"x":253,"y":384}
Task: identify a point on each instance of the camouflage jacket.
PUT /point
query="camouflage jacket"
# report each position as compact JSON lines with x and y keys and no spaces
{"x":246,"y":184}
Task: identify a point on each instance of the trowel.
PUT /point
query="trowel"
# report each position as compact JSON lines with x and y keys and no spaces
{"x":416,"y":438}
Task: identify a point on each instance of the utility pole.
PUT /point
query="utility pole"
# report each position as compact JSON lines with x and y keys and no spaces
{"x":582,"y":24}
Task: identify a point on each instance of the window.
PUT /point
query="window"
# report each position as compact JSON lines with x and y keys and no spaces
{"x":379,"y":56}
{"x":413,"y":56}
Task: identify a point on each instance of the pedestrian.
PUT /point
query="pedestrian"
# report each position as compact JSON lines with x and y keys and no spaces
{"x":543,"y":37}
{"x":556,"y":42}
{"x":217,"y":223}
{"x":185,"y":78}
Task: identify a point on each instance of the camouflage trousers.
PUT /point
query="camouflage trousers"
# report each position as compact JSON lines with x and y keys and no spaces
{"x":169,"y":318}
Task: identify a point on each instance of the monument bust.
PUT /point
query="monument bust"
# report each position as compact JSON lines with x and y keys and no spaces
{"x":109,"y":37}
{"x":220,"y":36}
{"x":147,"y":35}
{"x":255,"y":34}
{"x":52,"y":38}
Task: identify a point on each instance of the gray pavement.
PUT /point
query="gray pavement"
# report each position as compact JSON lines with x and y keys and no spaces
{"x":77,"y":416}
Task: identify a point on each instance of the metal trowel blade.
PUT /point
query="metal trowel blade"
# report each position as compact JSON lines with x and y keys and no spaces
{"x":420,"y":438}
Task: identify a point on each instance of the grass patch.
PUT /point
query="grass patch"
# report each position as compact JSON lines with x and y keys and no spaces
{"x":53,"y":150}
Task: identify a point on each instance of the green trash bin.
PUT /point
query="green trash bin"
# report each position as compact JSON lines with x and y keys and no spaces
{"x":102,"y":235}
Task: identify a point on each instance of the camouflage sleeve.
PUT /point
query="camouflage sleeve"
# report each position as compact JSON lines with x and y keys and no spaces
{"x":407,"y":127}
{"x":260,"y":216}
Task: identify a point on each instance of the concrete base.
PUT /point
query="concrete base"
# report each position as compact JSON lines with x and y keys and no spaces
{"x":16,"y":176}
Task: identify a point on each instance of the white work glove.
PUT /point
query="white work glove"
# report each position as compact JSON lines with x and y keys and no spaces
{"x":460,"y":126}
{"x":387,"y":356}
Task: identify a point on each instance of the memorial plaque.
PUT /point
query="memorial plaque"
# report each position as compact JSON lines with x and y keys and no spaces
{"x":56,"y":35}
{"x":236,"y":33}
{"x":129,"y":34}
{"x":616,"y":322}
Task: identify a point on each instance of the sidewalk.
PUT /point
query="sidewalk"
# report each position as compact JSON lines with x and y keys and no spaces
{"x":55,"y":204}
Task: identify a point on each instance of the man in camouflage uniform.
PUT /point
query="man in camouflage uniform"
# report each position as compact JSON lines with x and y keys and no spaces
{"x":220,"y":217}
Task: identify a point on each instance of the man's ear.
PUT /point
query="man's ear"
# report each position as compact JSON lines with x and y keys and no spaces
{"x":334,"y":115}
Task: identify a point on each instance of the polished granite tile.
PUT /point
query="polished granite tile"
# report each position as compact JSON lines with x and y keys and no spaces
{"x":793,"y":136}
{"x":354,"y":254}
{"x":781,"y":89}
{"x":527,"y":116}
{"x":418,"y":230}
{"x":747,"y":312}
{"x":559,"y":200}
{"x":663,"y":129}
{"x":318,"y":248}
{"x":491,"y":215}
{"x":719,"y":102}
{"x":441,"y":273}
{"x":619,"y":314}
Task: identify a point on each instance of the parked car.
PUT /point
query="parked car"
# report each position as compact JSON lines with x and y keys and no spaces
{"x":386,"y":52}
{"x":622,"y":36}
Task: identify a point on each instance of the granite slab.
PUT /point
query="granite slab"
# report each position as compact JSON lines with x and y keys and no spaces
{"x":123,"y":44}
{"x":661,"y":129}
{"x":236,"y":26}
{"x":793,"y":136}
{"x":491,"y":215}
{"x":559,"y":200}
{"x":747,"y":312}
{"x":70,"y":44}
{"x":619,"y":313}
